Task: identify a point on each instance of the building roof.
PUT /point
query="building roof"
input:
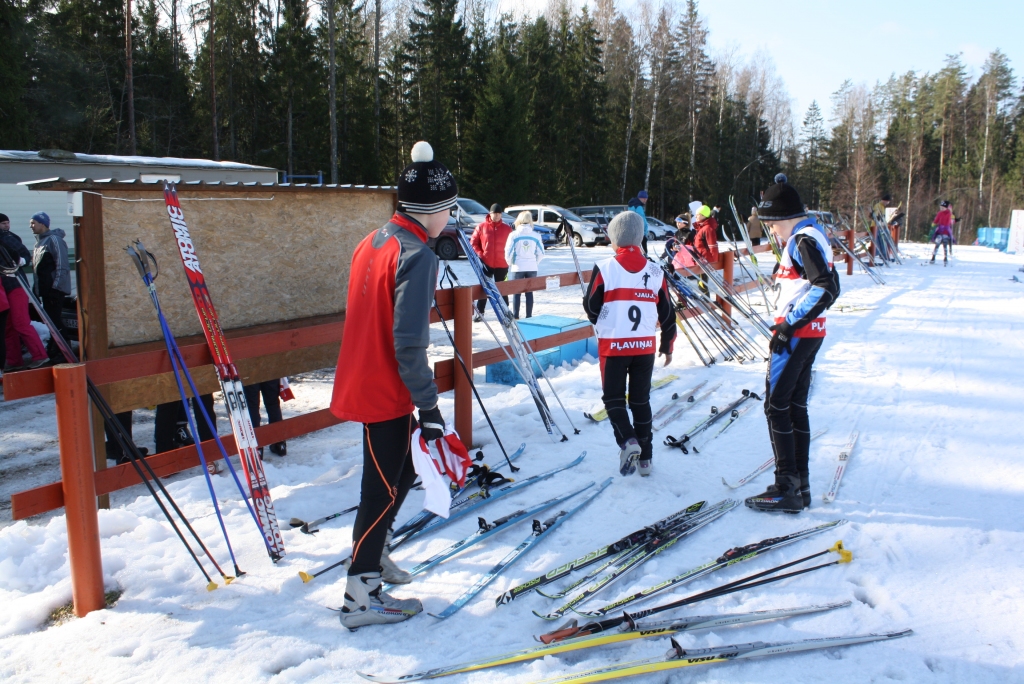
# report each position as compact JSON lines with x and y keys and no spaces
{"x":64,"y":157}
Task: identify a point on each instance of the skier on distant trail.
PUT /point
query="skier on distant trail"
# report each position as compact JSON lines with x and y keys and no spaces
{"x":488,"y":242}
{"x":627,"y":300}
{"x":523,"y":252}
{"x":943,"y":234}
{"x":809,"y":284}
{"x":638,"y":205}
{"x":383,"y":375}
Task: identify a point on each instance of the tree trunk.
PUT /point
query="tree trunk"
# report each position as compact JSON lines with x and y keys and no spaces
{"x":128,"y":76}
{"x":650,"y":138}
{"x":332,"y":92}
{"x":291,"y":166}
{"x":984,"y":153}
{"x":629,"y":134}
{"x":910,"y":179}
{"x":213,"y":90}
{"x":376,"y":86}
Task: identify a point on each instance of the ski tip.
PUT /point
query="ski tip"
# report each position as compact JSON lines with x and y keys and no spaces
{"x":211,"y":586}
{"x":295,"y":522}
{"x":306,"y":577}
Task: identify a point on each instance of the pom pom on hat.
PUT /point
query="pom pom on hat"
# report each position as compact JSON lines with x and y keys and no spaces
{"x":426,"y":186}
{"x":422,"y":152}
{"x":781,"y":178}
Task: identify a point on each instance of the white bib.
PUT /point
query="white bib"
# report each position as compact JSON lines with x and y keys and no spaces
{"x":628,"y":320}
{"x":793,"y":286}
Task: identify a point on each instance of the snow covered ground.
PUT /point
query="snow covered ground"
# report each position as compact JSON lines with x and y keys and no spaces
{"x":929,"y":372}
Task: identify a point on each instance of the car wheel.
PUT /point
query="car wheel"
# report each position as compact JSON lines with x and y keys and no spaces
{"x":446,"y":249}
{"x":577,"y":239}
{"x":591,"y":244}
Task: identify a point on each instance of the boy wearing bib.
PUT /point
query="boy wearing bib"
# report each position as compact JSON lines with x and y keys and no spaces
{"x":808,"y":285}
{"x":627,"y":301}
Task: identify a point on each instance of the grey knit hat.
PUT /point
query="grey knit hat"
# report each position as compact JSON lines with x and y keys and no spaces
{"x":626,"y":229}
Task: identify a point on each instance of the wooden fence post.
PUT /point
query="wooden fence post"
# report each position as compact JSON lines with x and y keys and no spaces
{"x":76,"y":470}
{"x":851,"y":241}
{"x":874,"y":240}
{"x":462,"y":301}
{"x":727,"y":275}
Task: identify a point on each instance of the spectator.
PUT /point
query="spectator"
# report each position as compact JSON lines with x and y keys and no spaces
{"x":4,"y":308}
{"x":53,"y":273}
{"x":706,"y":239}
{"x":754,"y":230}
{"x":170,"y":430}
{"x":18,"y":328}
{"x":271,"y":391}
{"x":523,"y":252}
{"x":638,"y":205}
{"x":488,"y":242}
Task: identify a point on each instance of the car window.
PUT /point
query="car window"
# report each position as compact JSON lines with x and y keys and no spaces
{"x":571,"y":216}
{"x":551,"y":217}
{"x":471,"y":206}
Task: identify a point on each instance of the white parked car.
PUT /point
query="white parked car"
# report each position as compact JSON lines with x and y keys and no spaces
{"x":550,"y":216}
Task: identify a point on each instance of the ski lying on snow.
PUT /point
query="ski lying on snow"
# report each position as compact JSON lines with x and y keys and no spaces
{"x":423,"y":517}
{"x":632,"y":540}
{"x":679,"y":657}
{"x":844,"y":456}
{"x":230,"y":382}
{"x":485,"y":531}
{"x":764,"y":466}
{"x":540,"y":530}
{"x":601,"y":414}
{"x":676,"y":398}
{"x":641,"y":555}
{"x":691,"y":401}
{"x":730,"y":557}
{"x":689,"y":624}
{"x":709,"y":436}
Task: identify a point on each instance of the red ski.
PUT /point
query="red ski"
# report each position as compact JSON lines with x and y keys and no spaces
{"x":230,"y":383}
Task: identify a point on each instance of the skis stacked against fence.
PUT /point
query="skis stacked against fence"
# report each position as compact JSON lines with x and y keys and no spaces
{"x":231,"y":384}
{"x":687,"y":624}
{"x":522,"y":359}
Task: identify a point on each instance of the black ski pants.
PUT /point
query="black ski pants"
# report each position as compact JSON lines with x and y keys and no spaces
{"x":388,"y":475}
{"x":53,"y":304}
{"x":635,"y":371}
{"x":171,"y":424}
{"x":271,"y":392}
{"x":785,"y":405}
{"x":499,"y":275}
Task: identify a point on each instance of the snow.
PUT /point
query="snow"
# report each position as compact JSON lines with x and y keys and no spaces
{"x":929,"y":375}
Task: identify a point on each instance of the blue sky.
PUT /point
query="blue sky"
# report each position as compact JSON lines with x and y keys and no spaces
{"x":816,"y":45}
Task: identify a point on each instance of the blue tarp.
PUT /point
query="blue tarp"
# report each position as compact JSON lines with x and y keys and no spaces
{"x":997,"y":238}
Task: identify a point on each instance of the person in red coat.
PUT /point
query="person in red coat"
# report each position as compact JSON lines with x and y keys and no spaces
{"x":383,"y":375}
{"x":488,"y":242}
{"x":705,"y":239}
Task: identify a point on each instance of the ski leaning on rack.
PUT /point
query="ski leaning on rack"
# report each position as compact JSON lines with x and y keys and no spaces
{"x":522,"y":359}
{"x":763,"y":467}
{"x":230,"y":383}
{"x":844,"y":457}
{"x":689,"y":624}
{"x":602,"y":414}
{"x":487,"y":530}
{"x":650,"y":550}
{"x":540,"y":530}
{"x":641,"y":536}
{"x":689,"y":402}
{"x":730,"y":557}
{"x":679,"y":657}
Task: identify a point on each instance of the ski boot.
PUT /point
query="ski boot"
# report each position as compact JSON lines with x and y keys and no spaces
{"x":279,"y":448}
{"x":367,"y":604}
{"x":784,"y":496}
{"x":645,"y":465}
{"x":391,"y":573}
{"x":932,"y":260}
{"x":628,"y":456}
{"x":477,"y":317}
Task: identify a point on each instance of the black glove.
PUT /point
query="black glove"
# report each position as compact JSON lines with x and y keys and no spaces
{"x":431,"y":424}
{"x":781,"y":339}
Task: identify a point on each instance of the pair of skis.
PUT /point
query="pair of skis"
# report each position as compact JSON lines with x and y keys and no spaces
{"x":540,"y":531}
{"x":689,"y":399}
{"x":750,"y":477}
{"x":602,"y":413}
{"x":230,"y":382}
{"x":716,"y":415}
{"x":629,"y":560}
{"x":688,"y":624}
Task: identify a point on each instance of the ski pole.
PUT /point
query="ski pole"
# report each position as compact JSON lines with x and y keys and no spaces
{"x":304,"y":526}
{"x":469,"y":377}
{"x":124,"y":441}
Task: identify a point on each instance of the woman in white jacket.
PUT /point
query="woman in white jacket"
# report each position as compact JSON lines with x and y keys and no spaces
{"x":523,"y":252}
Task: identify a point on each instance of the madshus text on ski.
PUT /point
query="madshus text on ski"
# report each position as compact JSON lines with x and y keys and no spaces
{"x":637,"y":305}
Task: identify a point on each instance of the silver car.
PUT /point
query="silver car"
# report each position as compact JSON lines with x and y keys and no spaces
{"x":550,"y":216}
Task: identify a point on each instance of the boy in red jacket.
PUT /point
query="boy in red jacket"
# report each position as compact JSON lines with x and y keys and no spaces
{"x":627,"y":300}
{"x":488,"y":242}
{"x":383,"y":374}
